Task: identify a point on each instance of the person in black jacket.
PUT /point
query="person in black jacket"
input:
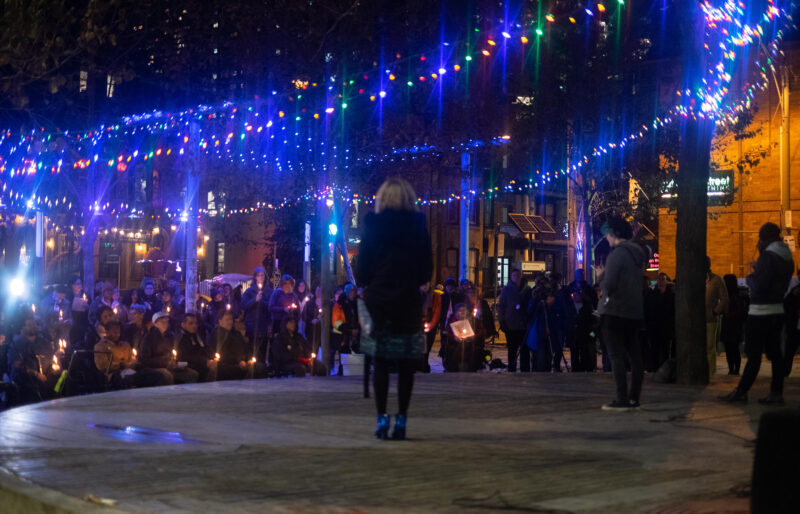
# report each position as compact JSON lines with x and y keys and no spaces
{"x":255,"y":304}
{"x":194,"y":351}
{"x":791,"y":307}
{"x":394,"y":260}
{"x":768,"y":283}
{"x":733,"y":324}
{"x":231,"y":350}
{"x":292,"y":353}
{"x":578,"y":326}
{"x":511,"y":313}
{"x":157,"y":362}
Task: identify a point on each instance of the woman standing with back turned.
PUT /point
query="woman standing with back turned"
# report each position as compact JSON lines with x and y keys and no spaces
{"x":394,"y":261}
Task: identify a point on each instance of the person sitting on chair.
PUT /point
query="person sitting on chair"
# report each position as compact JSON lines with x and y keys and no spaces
{"x":31,"y":365}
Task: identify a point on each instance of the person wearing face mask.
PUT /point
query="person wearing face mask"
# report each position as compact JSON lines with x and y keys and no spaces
{"x":622,"y":311}
{"x":768,"y":282}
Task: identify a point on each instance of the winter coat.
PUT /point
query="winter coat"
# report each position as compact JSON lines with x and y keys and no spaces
{"x":231,"y":346}
{"x":394,"y":260}
{"x":194,"y":351}
{"x":770,"y":279}
{"x":511,"y":308}
{"x":156,"y":350}
{"x":622,"y":282}
{"x":733,"y":320}
{"x":278,"y":301}
{"x":256,"y":314}
{"x":134,"y":335}
{"x":31,"y":356}
{"x":288,"y":349}
{"x":716,"y":297}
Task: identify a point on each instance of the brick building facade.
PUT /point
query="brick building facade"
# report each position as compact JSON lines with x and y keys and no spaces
{"x":755,"y":192}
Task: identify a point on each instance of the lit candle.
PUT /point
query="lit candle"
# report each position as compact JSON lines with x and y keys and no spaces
{"x":313,"y":355}
{"x":115,"y":311}
{"x":427,"y":328}
{"x":56,"y":366}
{"x":60,"y":315}
{"x":134,"y":353}
{"x":175,"y":354}
{"x":168,"y":309}
{"x":228,"y":307}
{"x":253,"y":360}
{"x":33,"y":308}
{"x":475,"y":312}
{"x":216,"y":357}
{"x":293,"y":306}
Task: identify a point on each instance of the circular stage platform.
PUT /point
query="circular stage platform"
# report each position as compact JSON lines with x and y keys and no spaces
{"x":485,"y":442}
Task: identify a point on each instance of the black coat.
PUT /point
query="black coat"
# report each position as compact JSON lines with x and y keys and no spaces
{"x":256,"y":313}
{"x":394,"y":260}
{"x":194,"y":351}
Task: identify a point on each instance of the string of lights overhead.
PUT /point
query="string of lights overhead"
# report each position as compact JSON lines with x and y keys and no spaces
{"x":281,"y":134}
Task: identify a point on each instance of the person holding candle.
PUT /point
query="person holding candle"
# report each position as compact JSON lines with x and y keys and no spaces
{"x":194,"y":351}
{"x":394,"y":259}
{"x":284,"y":304}
{"x":255,"y":304}
{"x":120,"y":310}
{"x":462,"y":348}
{"x":134,"y":331}
{"x":292,"y":353}
{"x":79,"y":312}
{"x":114,"y":357}
{"x":311,"y":317}
{"x":31,"y":365}
{"x":232,"y":349}
{"x":157,"y":362}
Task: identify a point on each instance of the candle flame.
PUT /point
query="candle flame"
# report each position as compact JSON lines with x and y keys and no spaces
{"x":216,"y":356}
{"x":33,"y":308}
{"x":253,"y":360}
{"x":56,"y":366}
{"x":313,"y":355}
{"x":134,"y":353}
{"x":228,"y":307}
{"x":175,"y":353}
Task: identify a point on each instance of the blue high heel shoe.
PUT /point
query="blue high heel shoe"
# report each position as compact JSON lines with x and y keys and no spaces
{"x":399,"y":432}
{"x":382,"y":431}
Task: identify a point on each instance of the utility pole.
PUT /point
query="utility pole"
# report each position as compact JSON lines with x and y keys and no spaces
{"x":786,"y":197}
{"x":326,"y":268}
{"x":38,"y":266}
{"x":741,"y":212}
{"x":190,"y":212}
{"x":466,"y":177}
{"x":307,"y":255}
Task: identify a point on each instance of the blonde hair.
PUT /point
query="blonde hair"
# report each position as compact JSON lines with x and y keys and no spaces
{"x":396,"y":194}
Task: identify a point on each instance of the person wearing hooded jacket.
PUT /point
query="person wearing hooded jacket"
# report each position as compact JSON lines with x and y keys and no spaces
{"x":768,"y":283}
{"x":622,"y":311}
{"x":292,"y":353}
{"x":255,"y":304}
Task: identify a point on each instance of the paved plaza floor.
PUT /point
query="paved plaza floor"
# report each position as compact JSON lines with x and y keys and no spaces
{"x":480,"y":442}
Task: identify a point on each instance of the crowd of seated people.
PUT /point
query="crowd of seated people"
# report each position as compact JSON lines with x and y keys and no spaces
{"x":75,"y":342}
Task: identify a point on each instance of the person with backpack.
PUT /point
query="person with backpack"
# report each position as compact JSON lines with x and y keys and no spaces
{"x":768,"y":283}
{"x":622,"y":311}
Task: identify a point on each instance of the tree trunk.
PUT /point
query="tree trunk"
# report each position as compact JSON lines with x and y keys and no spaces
{"x":692,"y":221}
{"x":690,"y":251}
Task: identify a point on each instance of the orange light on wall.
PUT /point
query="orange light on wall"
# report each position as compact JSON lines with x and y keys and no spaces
{"x":201,"y":252}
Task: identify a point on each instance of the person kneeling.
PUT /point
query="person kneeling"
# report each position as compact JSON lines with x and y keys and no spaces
{"x":293,"y":353}
{"x":157,"y":362}
{"x":114,"y":358}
